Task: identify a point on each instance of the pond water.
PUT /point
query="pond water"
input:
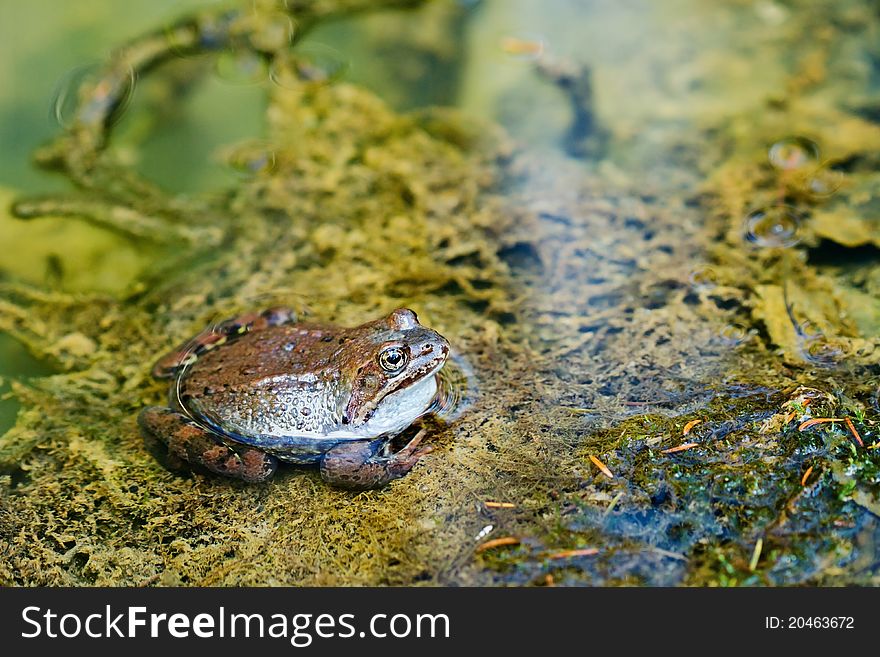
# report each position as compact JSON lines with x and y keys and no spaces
{"x":650,"y":232}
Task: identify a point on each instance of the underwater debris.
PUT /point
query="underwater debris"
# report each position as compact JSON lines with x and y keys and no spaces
{"x":679,"y":448}
{"x":118,"y":218}
{"x":825,"y":420}
{"x":504,"y":541}
{"x":602,"y":467}
{"x":586,"y":137}
{"x":818,"y":420}
{"x":499,"y":505}
{"x":756,"y":554}
{"x":567,"y":554}
{"x":690,"y":425}
{"x":806,"y":476}
{"x":532,"y":48}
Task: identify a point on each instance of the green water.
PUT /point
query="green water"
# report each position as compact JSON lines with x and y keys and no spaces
{"x":587,"y":198}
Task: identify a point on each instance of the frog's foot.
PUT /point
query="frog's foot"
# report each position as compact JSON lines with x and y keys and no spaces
{"x":189,"y":443}
{"x":187,"y":353}
{"x":356,"y":465}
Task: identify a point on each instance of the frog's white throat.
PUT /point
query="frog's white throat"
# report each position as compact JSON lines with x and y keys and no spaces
{"x":396,"y":411}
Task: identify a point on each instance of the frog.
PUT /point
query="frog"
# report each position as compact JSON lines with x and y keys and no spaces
{"x":264,"y":388}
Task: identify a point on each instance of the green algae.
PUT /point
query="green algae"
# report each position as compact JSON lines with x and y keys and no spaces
{"x":68,"y":255}
{"x":594,"y":311}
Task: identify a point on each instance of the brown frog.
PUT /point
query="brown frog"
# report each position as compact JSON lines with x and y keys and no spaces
{"x":262,"y":388}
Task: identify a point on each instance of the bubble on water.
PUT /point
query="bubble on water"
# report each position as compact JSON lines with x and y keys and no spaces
{"x":793,"y":153}
{"x":208,"y":32}
{"x":273,"y":31}
{"x":90,"y":94}
{"x":109,"y":98}
{"x":826,"y":352}
{"x":776,"y":226}
{"x":241,"y":67}
{"x":314,"y":63}
{"x":822,"y":183}
{"x":815,"y":347}
{"x":65,"y":99}
{"x":809,"y":331}
{"x":704,"y":278}
{"x":283,"y":72}
{"x":735,"y":334}
{"x":252,"y":158}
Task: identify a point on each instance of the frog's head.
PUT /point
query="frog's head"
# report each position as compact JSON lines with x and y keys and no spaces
{"x":394,"y":375}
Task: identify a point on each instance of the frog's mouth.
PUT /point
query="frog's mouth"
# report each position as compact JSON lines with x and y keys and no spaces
{"x":405,"y":399}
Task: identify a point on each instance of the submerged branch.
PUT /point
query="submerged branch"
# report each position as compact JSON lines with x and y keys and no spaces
{"x":118,"y":218}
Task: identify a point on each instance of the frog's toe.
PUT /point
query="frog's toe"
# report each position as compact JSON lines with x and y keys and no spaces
{"x":187,"y":442}
{"x":358,"y":467}
{"x":412,"y":451}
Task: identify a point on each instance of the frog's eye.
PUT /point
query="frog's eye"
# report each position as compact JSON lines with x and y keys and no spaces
{"x":392,"y":359}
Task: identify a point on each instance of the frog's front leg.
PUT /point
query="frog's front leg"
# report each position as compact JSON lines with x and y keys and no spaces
{"x":187,"y":442}
{"x":356,"y":465}
{"x":213,"y":336}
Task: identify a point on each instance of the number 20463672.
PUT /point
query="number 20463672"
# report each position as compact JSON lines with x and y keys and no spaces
{"x":809,"y":622}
